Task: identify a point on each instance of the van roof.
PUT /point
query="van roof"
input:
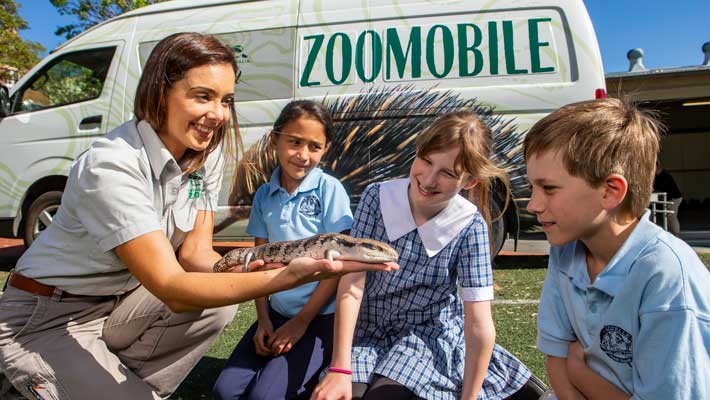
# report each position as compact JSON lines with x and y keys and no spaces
{"x":172,"y":5}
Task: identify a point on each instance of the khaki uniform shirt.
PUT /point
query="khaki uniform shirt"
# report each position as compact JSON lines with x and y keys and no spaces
{"x":126,"y":185}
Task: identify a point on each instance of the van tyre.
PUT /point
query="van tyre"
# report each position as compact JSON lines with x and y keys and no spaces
{"x":40,"y":215}
{"x":499,"y":230}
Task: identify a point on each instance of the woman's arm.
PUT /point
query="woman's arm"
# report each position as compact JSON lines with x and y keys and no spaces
{"x":337,"y":385}
{"x":151,"y":259}
{"x":480,"y":334}
{"x":196,"y":253}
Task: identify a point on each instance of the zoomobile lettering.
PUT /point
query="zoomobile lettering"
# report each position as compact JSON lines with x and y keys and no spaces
{"x":433,"y":52}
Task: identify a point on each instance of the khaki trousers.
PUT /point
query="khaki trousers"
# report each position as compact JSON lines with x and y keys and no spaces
{"x":123,"y":347}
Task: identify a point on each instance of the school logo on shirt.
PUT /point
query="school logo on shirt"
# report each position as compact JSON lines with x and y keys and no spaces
{"x":310,"y":206}
{"x":616,"y":343}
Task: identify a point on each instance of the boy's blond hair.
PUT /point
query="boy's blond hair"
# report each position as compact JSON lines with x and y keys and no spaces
{"x":601,"y":137}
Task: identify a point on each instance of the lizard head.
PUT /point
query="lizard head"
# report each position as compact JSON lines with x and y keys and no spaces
{"x":374,"y":251}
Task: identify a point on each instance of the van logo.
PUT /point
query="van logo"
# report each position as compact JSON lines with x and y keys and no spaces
{"x":239,"y":55}
{"x":461,"y":50}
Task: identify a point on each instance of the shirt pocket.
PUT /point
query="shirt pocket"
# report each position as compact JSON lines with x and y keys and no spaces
{"x":185,"y":210}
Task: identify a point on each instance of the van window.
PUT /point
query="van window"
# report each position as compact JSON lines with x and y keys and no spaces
{"x":70,"y":78}
{"x":265,"y":60}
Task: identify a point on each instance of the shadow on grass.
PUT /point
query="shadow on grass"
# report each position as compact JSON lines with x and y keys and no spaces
{"x":199,"y":383}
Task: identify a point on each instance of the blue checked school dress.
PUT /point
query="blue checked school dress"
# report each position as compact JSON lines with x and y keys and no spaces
{"x":410,"y":326}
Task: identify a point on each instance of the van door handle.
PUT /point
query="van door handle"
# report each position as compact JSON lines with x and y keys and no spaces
{"x":93,"y":122}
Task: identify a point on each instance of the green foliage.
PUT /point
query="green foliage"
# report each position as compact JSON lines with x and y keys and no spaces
{"x":92,"y":12}
{"x":15,"y":52}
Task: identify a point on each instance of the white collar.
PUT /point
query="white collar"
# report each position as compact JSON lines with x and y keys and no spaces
{"x":437,"y":232}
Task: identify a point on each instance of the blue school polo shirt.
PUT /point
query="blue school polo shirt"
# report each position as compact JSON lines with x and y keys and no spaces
{"x":645,"y":321}
{"x":319,"y":205}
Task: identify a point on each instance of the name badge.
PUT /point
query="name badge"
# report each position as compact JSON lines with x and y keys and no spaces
{"x":196,"y":186}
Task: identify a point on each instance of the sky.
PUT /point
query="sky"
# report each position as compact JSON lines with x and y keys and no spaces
{"x":670,"y":35}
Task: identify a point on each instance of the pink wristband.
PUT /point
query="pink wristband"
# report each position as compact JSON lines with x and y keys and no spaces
{"x":340,"y":371}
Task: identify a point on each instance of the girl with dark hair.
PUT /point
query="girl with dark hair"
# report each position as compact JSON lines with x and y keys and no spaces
{"x":116,"y":299}
{"x":283,"y":353}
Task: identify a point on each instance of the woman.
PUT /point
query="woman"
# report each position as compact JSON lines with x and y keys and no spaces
{"x":112,"y":301}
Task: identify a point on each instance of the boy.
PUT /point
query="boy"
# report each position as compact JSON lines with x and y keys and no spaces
{"x":625,"y":305}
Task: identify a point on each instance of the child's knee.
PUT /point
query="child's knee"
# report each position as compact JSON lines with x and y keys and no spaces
{"x":224,"y":390}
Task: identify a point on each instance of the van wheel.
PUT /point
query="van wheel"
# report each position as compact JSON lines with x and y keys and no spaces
{"x":499,"y":228}
{"x":40,"y":215}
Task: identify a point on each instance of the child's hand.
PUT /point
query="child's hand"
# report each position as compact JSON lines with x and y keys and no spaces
{"x":334,"y":386}
{"x":306,"y":269}
{"x":264,"y":331}
{"x":288,"y":334}
{"x":575,"y":355}
{"x":576,"y":350}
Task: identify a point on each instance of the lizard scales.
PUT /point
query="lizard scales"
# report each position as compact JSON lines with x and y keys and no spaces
{"x":333,"y":246}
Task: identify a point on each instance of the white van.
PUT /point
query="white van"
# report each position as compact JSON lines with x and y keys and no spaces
{"x":385,"y":68}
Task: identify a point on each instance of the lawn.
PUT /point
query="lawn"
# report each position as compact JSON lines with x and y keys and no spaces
{"x":514,"y":312}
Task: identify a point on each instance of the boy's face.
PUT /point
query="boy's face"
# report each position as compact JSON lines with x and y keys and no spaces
{"x":567,"y":207}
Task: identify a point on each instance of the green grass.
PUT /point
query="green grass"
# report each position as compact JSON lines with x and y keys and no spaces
{"x":516,"y":330}
{"x":706,"y":259}
{"x":516,"y":324}
{"x":519,"y":284}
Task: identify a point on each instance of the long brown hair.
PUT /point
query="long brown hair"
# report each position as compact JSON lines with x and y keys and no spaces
{"x":465,"y":130}
{"x":168,"y":63}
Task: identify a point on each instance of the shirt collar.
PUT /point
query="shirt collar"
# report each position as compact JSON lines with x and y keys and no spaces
{"x":437,"y":232}
{"x":612,"y":278}
{"x":158,"y":155}
{"x":310,"y":182}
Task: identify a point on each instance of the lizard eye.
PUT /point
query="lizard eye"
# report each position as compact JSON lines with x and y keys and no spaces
{"x":369,"y":246}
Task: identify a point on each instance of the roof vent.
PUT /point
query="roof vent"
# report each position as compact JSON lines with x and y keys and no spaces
{"x":706,"y":51}
{"x":635,"y":57}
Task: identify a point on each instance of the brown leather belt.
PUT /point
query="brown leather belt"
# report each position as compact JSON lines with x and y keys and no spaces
{"x":32,"y":286}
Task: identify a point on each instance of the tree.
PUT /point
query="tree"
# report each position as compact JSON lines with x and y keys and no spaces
{"x":92,"y":12}
{"x":15,"y":52}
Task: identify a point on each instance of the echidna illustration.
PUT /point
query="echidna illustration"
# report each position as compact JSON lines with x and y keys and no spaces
{"x":374,"y":141}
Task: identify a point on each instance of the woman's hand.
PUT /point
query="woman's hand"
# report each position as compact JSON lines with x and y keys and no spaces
{"x":306,"y":269}
{"x":259,"y":265}
{"x":334,"y":386}
{"x":264,"y":331}
{"x":287,"y":335}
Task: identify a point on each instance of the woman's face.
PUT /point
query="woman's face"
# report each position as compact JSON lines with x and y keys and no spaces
{"x":197,"y":106}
